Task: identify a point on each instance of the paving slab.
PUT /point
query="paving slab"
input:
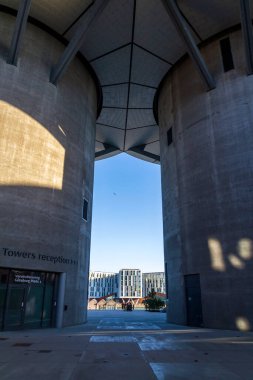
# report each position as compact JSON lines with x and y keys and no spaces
{"x":126,"y":346}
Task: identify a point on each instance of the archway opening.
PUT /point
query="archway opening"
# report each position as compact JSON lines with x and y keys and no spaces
{"x":127,"y":233}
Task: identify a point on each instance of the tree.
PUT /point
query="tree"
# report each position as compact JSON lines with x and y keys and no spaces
{"x":153,"y":303}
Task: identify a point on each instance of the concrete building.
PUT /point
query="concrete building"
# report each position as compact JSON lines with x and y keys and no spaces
{"x":102,"y":284}
{"x":166,"y":81}
{"x":153,"y":280}
{"x":130,"y":283}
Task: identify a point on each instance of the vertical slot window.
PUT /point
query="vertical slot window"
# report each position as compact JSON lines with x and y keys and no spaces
{"x":85,"y":209}
{"x":166,"y":281}
{"x":227,"y":57}
{"x":169,"y":137}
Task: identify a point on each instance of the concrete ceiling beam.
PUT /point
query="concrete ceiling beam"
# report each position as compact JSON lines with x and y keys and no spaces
{"x":140,"y":150}
{"x":247,"y":33}
{"x":77,"y":41}
{"x":108,"y":149}
{"x":19,"y":30}
{"x":186,"y":35}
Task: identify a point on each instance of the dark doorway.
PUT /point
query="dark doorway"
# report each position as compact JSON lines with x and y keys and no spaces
{"x":193,"y":300}
{"x":29,"y":299}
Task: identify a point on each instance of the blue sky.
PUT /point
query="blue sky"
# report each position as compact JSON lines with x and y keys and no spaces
{"x":127,"y":215}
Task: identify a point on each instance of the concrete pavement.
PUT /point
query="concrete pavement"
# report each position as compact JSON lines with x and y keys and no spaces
{"x":126,"y":345}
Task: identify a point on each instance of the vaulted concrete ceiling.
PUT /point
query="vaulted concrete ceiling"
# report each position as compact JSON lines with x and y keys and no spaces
{"x":131,"y":45}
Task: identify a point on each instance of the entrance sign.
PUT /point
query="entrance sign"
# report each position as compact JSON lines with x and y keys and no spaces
{"x":26,"y":279}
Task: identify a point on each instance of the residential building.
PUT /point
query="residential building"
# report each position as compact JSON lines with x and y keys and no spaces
{"x":130,"y":283}
{"x":102,"y":284}
{"x":153,"y":280}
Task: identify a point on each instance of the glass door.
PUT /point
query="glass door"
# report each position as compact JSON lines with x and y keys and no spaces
{"x":33,"y":306}
{"x":48,"y":306}
{"x":15,"y":307}
{"x":4,"y":273}
{"x":27,"y":299}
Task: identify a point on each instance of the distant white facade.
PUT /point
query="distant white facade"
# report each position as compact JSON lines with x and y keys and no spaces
{"x":153,"y":280}
{"x":102,"y":284}
{"x":130,"y":283}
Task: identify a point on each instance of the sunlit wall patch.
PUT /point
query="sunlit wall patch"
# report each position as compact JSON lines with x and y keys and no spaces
{"x":30,"y":154}
{"x":216,"y":255}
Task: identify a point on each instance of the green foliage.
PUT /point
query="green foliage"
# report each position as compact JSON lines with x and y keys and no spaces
{"x":153,"y":302}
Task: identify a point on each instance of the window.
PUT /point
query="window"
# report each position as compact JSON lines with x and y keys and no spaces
{"x":166,"y":281}
{"x":169,"y":136}
{"x":85,"y":209}
{"x":226,"y":53}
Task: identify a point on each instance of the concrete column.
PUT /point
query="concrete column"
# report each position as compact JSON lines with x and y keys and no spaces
{"x":207,"y":182}
{"x":47,"y":147}
{"x":60,"y":300}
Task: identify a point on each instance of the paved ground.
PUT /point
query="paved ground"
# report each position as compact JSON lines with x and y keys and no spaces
{"x":126,"y":346}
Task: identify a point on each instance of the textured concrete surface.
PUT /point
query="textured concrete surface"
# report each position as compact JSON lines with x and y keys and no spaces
{"x":47,"y":147}
{"x":207,"y":182}
{"x":160,"y":351}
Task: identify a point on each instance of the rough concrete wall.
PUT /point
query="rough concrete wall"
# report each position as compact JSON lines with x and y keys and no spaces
{"x":47,"y":142}
{"x":213,"y":157}
{"x":171,"y":214}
